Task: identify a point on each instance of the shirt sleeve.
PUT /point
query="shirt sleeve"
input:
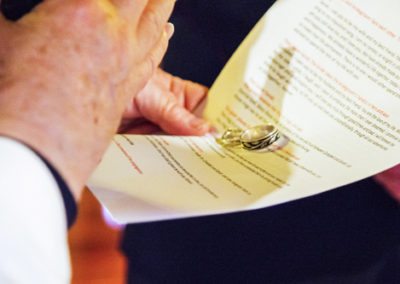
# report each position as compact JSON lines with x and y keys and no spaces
{"x":33,"y":221}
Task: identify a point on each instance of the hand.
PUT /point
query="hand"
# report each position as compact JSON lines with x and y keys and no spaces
{"x":167,"y":102}
{"x":69,"y":68}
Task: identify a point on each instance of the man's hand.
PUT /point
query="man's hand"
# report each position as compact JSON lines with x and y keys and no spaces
{"x":69,"y":68}
{"x":167,"y":102}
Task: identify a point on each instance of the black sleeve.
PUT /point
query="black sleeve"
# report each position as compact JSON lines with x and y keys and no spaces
{"x":69,"y":201}
{"x":71,"y":210}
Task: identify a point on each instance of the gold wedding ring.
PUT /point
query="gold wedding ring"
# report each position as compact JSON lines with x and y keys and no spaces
{"x":258,"y":138}
{"x":231,"y":138}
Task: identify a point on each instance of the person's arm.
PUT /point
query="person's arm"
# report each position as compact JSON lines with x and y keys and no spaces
{"x":65,"y":72}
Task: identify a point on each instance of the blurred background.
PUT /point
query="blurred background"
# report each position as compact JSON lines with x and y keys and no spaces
{"x":94,"y":245}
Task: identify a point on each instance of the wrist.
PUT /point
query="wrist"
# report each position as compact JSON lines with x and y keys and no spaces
{"x":58,"y":122}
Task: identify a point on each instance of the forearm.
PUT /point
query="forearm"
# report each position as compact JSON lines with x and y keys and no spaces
{"x":67,"y":71}
{"x":59,"y":120}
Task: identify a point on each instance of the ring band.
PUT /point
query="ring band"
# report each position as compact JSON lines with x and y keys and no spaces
{"x":259,"y":137}
{"x":231,"y":138}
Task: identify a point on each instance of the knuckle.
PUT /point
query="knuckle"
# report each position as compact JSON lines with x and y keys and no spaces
{"x":86,"y":11}
{"x":153,"y":21}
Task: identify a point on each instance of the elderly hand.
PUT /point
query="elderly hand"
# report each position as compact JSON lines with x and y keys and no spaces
{"x":69,"y":68}
{"x":167,"y":102}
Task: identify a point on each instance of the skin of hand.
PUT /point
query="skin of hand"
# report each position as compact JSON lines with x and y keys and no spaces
{"x":69,"y":68}
{"x":166,"y":102}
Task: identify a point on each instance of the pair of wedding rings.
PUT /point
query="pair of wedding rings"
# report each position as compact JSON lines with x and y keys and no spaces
{"x":258,"y":138}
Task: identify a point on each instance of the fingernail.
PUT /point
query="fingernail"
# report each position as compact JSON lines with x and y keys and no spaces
{"x":169,"y":29}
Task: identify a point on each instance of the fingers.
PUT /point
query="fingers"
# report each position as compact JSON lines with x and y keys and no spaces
{"x":189,"y":94}
{"x":157,"y":53}
{"x":152,"y":21}
{"x":143,"y":127}
{"x":171,"y":116}
{"x":169,"y":101}
{"x":177,"y":120}
{"x":192,"y":93}
{"x":161,"y":107}
{"x":147,"y":68}
{"x":131,"y":10}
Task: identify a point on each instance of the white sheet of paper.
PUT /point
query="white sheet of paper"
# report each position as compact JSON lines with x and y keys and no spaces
{"x":327,"y":73}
